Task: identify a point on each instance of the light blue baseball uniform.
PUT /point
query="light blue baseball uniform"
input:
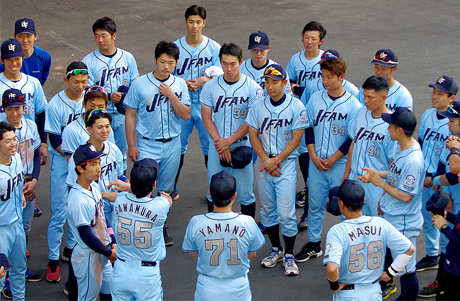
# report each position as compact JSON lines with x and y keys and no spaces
{"x":406,"y":173}
{"x":12,"y":235}
{"x":158,"y":125}
{"x":111,"y":72}
{"x":373,"y":148}
{"x":433,"y":131}
{"x":140,"y":247}
{"x":358,"y":246}
{"x":60,"y":112}
{"x":111,"y":169}
{"x":222,"y":240}
{"x":398,"y":96}
{"x":85,"y":208}
{"x":330,"y":120}
{"x":191,"y":64}
{"x":275,"y":125}
{"x":317,"y":85}
{"x":257,"y":74}
{"x":33,"y":93}
{"x":230,"y":106}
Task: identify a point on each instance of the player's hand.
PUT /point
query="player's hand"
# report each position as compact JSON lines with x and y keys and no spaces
{"x":428,"y":182}
{"x":450,"y":207}
{"x":328,"y":162}
{"x":43,"y":154}
{"x":191,"y":85}
{"x":293,"y":86}
{"x":2,"y":272}
{"x":113,"y":256}
{"x":110,"y":196}
{"x":272,"y":167}
{"x":319,"y":163}
{"x":133,"y":153}
{"x":115,"y":97}
{"x":222,"y":144}
{"x":384,"y":277}
{"x":451,"y":143}
{"x":436,"y":187}
{"x":24,"y":202}
{"x":226,"y":156}
{"x":166,"y":91}
{"x":119,"y":185}
{"x":371,"y":176}
{"x":168,"y":197}
{"x":341,"y":285}
{"x":438,"y":220}
{"x":29,"y":190}
{"x":200,"y":81}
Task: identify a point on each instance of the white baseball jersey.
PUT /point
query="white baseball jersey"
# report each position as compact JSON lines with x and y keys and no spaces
{"x":301,"y":70}
{"x":11,"y":186}
{"x":156,"y":116}
{"x":257,"y":74}
{"x":398,"y":96}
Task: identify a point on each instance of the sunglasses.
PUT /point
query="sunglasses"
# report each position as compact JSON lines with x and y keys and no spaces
{"x":385,"y":59}
{"x":77,"y":72}
{"x":451,"y":110}
{"x":96,"y":88}
{"x":94,"y":112}
{"x":270,"y":71}
{"x":327,"y":55}
{"x":13,"y":98}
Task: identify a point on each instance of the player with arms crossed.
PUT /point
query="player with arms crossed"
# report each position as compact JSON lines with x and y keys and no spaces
{"x":223,"y":243}
{"x":279,"y":120}
{"x":140,"y":236}
{"x":111,"y":67}
{"x":401,"y":204}
{"x":163,"y":99}
{"x":225,"y":103}
{"x":356,"y":247}
{"x":330,"y":114}
{"x":385,"y":65}
{"x":12,"y":235}
{"x":197,"y":53}
{"x":95,"y":240}
{"x":371,"y":146}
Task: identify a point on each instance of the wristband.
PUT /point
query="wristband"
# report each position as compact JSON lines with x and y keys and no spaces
{"x":436,"y":181}
{"x":334,"y":285}
{"x":123,"y":178}
{"x":110,"y":231}
{"x":454,"y":151}
{"x":443,"y":228}
{"x":399,"y":263}
{"x":391,"y":272}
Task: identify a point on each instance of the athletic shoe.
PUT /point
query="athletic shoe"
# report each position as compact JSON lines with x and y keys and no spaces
{"x":66,"y":254}
{"x":272,"y":258}
{"x":302,"y":225}
{"x":52,"y":273}
{"x":66,"y":288}
{"x":309,"y":250}
{"x":429,"y":290}
{"x":301,"y":198}
{"x":388,"y":289}
{"x":175,"y":195}
{"x":37,"y":211}
{"x":169,"y":241}
{"x":33,"y":277}
{"x":427,"y":263}
{"x":6,"y":291}
{"x":290,"y":267}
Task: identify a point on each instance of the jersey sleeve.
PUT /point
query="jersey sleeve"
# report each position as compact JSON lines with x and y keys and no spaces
{"x":354,"y":107}
{"x":80,"y":212}
{"x":353,"y":90}
{"x":133,"y":71}
{"x":119,"y":159}
{"x":252,"y":118}
{"x":53,"y":124}
{"x":334,"y":248}
{"x":206,"y":96}
{"x":46,"y":58}
{"x":421,"y":128}
{"x":131,"y":99}
{"x":39,"y":98}
{"x":87,"y":61}
{"x":361,"y":96}
{"x":215,"y":56}
{"x":185,"y":99}
{"x":188,"y":245}
{"x":396,"y":241}
{"x":411,"y":173}
{"x":310,"y":113}
{"x":258,"y":239}
{"x":256,"y":93}
{"x":287,"y":87}
{"x":405,"y":100}
{"x":300,"y":118}
{"x":70,"y":142}
{"x":290,"y":69}
{"x":34,"y":130}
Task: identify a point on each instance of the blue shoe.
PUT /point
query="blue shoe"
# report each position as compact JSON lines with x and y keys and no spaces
{"x":33,"y":277}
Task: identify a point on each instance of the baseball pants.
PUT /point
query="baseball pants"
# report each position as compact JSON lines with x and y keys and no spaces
{"x":226,"y":289}
{"x":187,"y":128}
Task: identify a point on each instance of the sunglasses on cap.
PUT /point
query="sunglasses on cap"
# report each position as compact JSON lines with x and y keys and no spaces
{"x":94,"y":112}
{"x":270,"y":71}
{"x":327,"y":54}
{"x":96,"y":88}
{"x":451,"y":110}
{"x":13,"y":98}
{"x":77,"y":72}
{"x":385,"y":59}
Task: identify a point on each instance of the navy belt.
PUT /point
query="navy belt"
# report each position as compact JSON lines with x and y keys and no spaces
{"x":352,"y":286}
{"x":158,"y":140}
{"x":144,"y":263}
{"x":242,"y":139}
{"x":272,"y":156}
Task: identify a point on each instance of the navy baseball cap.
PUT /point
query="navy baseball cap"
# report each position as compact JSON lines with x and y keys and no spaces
{"x":12,"y":98}
{"x":453,"y":111}
{"x":445,"y":84}
{"x":438,"y":202}
{"x":241,"y":156}
{"x":333,"y":204}
{"x":86,"y":153}
{"x":24,"y":26}
{"x":258,"y":40}
{"x":223,"y":186}
{"x":10,"y":49}
{"x":330,"y":53}
{"x":403,"y":118}
{"x":144,"y":172}
{"x":385,"y":57}
{"x":275,"y":71}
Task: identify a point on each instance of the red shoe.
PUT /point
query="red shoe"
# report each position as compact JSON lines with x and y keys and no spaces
{"x":53,"y":277}
{"x":27,"y":254}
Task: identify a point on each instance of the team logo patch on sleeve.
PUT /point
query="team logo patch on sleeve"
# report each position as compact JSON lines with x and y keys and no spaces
{"x":303,"y":117}
{"x":259,"y":93}
{"x":327,"y":250}
{"x":409,"y":182}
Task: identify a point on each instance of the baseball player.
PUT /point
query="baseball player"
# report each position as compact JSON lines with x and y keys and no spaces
{"x":432,"y":133}
{"x":12,"y":78}
{"x":111,"y":67}
{"x":385,"y":65}
{"x":163,"y":99}
{"x":330,"y":114}
{"x":140,"y":236}
{"x":225,"y":103}
{"x":95,"y":240}
{"x":12,"y":203}
{"x":36,"y":61}
{"x":402,"y":201}
{"x":62,"y":109}
{"x":356,"y":247}
{"x":223,"y":243}
{"x":371,"y":146}
{"x":276,"y":126}
{"x":196,"y":53}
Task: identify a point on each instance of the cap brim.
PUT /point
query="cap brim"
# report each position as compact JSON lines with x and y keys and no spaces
{"x":95,"y":158}
{"x":13,"y":56}
{"x":387,"y":118}
{"x":449,"y":115}
{"x":258,"y":46}
{"x":274,"y":77}
{"x":377,"y":62}
{"x":13,"y":104}
{"x":26,"y":31}
{"x":439,"y":87}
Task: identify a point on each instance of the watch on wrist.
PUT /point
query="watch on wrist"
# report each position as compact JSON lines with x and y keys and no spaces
{"x":444,"y":227}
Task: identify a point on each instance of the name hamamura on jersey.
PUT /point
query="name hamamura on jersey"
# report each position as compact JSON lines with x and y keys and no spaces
{"x":137,"y":209}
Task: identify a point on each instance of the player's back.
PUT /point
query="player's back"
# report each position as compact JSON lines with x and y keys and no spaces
{"x":222,"y":241}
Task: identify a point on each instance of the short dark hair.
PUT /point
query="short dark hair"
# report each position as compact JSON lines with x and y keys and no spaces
{"x":168,"y":48}
{"x":315,"y":26}
{"x":222,"y":203}
{"x":73,"y":66}
{"x":231,"y":49}
{"x":82,"y":166}
{"x":195,"y":10}
{"x":5,"y":127}
{"x":95,"y":94}
{"x":141,"y":188}
{"x":334,"y":65}
{"x":101,"y":114}
{"x":105,"y":23}
{"x":376,"y":83}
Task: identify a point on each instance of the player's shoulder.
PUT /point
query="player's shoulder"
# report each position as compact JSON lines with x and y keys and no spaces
{"x":29,"y":123}
{"x":33,"y":80}
{"x":401,"y":89}
{"x":58,"y":98}
{"x":296,"y":57}
{"x":428,"y":113}
{"x":43,"y":54}
{"x":178,"y":80}
{"x":90,"y":57}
